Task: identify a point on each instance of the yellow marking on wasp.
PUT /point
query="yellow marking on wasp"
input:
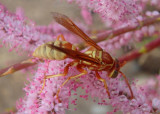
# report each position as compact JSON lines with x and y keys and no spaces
{"x":64,"y":42}
{"x":56,"y":43}
{"x":85,"y":62}
{"x":94,"y":54}
{"x":111,"y":73}
{"x":88,"y":52}
{"x":73,"y":47}
{"x":103,"y":67}
{"x":80,"y":61}
{"x":91,"y":68}
{"x":143,"y":50}
{"x":100,"y":55}
{"x":75,"y":64}
{"x":48,"y":52}
{"x":41,"y":51}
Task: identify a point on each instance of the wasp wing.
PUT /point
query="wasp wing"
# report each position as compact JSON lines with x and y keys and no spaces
{"x":75,"y":54}
{"x":67,"y":23}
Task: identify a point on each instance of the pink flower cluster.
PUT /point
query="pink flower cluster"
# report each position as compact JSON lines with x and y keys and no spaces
{"x":45,"y":102}
{"x":134,"y":36}
{"x":112,"y":10}
{"x":19,"y":33}
{"x":152,"y":90}
{"x":36,"y":102}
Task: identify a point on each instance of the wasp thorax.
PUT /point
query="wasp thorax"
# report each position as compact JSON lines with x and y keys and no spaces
{"x":107,"y":59}
{"x":46,"y":52}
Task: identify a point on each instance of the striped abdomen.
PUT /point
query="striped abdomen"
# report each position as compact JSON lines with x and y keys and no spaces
{"x":45,"y":52}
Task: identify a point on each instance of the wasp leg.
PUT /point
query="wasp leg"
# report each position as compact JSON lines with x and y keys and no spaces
{"x":57,"y":75}
{"x":105,"y":84}
{"x":132,"y":96}
{"x":83,"y":72}
{"x":61,"y":36}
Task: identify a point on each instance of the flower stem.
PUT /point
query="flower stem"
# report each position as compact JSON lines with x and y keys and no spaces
{"x":17,"y":67}
{"x":136,"y":53}
{"x":113,"y":33}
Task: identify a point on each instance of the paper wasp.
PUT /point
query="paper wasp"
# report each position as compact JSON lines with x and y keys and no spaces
{"x":95,"y":58}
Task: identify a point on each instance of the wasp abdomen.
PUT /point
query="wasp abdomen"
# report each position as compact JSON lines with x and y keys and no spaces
{"x":46,"y":52}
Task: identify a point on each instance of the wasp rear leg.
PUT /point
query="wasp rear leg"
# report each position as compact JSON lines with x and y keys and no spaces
{"x":61,"y":36}
{"x":57,"y":75}
{"x":105,"y":84}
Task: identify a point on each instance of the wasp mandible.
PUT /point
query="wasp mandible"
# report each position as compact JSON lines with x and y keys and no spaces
{"x":95,"y":58}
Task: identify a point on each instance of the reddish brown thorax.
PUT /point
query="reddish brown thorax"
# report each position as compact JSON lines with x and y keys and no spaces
{"x":106,"y":58}
{"x":114,"y":69}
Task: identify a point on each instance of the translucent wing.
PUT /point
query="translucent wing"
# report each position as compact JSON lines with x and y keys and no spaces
{"x":75,"y":54}
{"x":67,"y":23}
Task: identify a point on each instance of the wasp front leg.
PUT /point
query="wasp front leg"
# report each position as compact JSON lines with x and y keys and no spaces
{"x":105,"y":84}
{"x":132,"y":96}
{"x":79,"y":68}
